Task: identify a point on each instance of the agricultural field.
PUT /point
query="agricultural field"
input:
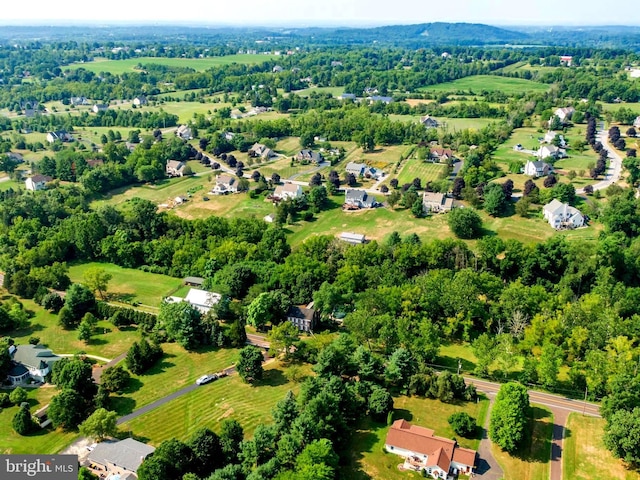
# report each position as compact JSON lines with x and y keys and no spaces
{"x":370,"y":460}
{"x":524,"y":66}
{"x":118,"y":67}
{"x":210,"y":404}
{"x":335,"y":91}
{"x":42,"y":441}
{"x":532,"y":461}
{"x":130,"y":284}
{"x":585,"y":456}
{"x":478,"y":83}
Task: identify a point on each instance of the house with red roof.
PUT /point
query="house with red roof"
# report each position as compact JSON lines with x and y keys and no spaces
{"x":422,"y":450}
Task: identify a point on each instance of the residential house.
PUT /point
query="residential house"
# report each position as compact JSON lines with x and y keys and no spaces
{"x":537,"y":169}
{"x":184,"y":132}
{"x":76,"y":101}
{"x":429,"y":122}
{"x":433,"y":202}
{"x":336,"y":63}
{"x":561,"y":215}
{"x":311,"y":156}
{"x":347,"y":96}
{"x":30,"y":361}
{"x":550,"y":151}
{"x":436,"y":202}
{"x":120,"y":459}
{"x":442,"y":155}
{"x":566,"y":59}
{"x":99,"y":107}
{"x":202,"y":300}
{"x":550,"y":137}
{"x":423,"y":451}
{"x":269,"y":218}
{"x":130,"y":146}
{"x":564,"y":114}
{"x":287,"y":191}
{"x":355,"y":198}
{"x":262,"y":151}
{"x":363,"y":170}
{"x":636,"y":122}
{"x":37,"y":182}
{"x":303,"y":318}
{"x":15,"y":157}
{"x":59,"y":135}
{"x":379,"y":98}
{"x":140,"y":101}
{"x":277,"y":69}
{"x":225,"y":184}
{"x":229,"y":136}
{"x":175,"y":168}
{"x":353,"y":238}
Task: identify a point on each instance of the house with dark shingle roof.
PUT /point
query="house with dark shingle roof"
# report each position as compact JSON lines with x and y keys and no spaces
{"x":423,"y":451}
{"x":310,"y":155}
{"x":302,"y":318}
{"x":37,"y":182}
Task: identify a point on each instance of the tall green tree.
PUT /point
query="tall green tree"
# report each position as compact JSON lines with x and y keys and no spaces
{"x":249,"y":364}
{"x":100,"y":425}
{"x":509,"y":417}
{"x":97,"y":280}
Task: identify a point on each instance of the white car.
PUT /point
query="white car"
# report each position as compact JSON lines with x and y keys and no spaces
{"x":206,"y":379}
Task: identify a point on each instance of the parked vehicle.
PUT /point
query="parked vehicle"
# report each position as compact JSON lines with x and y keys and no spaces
{"x":206,"y":379}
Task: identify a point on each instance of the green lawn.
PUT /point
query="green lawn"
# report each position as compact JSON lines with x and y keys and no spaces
{"x":425,"y":171}
{"x":108,"y":342}
{"x":585,"y":456}
{"x":448,"y":122}
{"x":478,"y":83}
{"x":335,"y":91}
{"x":131,"y":284}
{"x":199,"y":64}
{"x":209,"y":405}
{"x":532,"y":461}
{"x":44,"y":441}
{"x":178,"y":368}
{"x":368,"y":458}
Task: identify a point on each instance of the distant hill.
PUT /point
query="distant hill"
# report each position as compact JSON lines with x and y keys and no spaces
{"x":438,"y":33}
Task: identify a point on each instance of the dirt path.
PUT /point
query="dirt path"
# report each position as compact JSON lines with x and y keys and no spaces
{"x":559,"y":422}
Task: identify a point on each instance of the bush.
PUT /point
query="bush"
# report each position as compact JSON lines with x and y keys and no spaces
{"x":22,"y":423}
{"x":463,"y":424}
{"x":18,"y":396}
{"x":4,"y":400}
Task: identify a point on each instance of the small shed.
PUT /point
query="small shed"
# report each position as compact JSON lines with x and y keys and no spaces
{"x":194,"y":281}
{"x":353,"y":238}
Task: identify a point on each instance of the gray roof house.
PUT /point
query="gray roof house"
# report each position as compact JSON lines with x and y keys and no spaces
{"x":36,"y":359}
{"x":303,"y":318}
{"x":436,"y":202}
{"x":361,"y":169}
{"x":175,"y":168}
{"x":121,"y":458}
{"x":355,"y":198}
{"x":537,"y":169}
{"x":353,"y":238}
{"x":561,"y":215}
{"x":310,"y":155}
{"x":429,"y":122}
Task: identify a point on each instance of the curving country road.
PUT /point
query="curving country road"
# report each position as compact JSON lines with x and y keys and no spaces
{"x":614,"y":170}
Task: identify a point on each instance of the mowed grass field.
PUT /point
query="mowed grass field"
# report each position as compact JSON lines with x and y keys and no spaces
{"x":585,"y":456}
{"x":369,"y":460}
{"x":118,"y":67}
{"x":490,"y":83}
{"x":131,"y":284}
{"x":335,"y":91}
{"x":177,"y":369}
{"x":43,"y":441}
{"x":210,"y":404}
{"x":108,"y":342}
{"x":425,"y":171}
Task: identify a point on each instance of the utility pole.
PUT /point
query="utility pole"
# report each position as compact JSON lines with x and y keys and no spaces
{"x":584,"y":409}
{"x":459,"y":365}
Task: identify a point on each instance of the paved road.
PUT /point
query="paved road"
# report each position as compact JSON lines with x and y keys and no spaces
{"x":614,"y":170}
{"x":561,"y":408}
{"x":487,"y":467}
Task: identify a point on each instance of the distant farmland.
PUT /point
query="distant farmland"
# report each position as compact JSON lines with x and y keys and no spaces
{"x":117,"y":67}
{"x":489,"y":83}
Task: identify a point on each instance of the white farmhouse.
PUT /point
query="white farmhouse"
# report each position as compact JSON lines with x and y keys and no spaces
{"x":537,"y":169}
{"x":287,"y":191}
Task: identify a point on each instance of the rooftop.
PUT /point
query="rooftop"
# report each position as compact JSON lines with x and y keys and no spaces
{"x":127,"y":453}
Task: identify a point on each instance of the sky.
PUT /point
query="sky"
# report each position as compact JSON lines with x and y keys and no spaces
{"x":318,"y":12}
